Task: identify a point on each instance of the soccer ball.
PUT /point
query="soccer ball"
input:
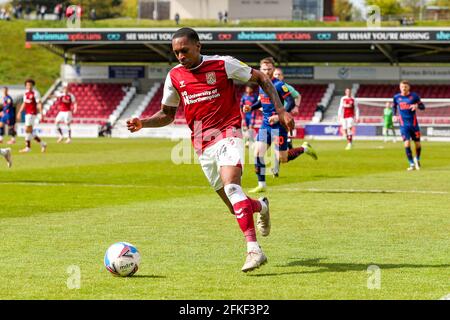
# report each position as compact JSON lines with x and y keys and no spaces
{"x":122,"y":259}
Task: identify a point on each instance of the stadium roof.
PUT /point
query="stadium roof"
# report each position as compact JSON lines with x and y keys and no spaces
{"x":350,"y":45}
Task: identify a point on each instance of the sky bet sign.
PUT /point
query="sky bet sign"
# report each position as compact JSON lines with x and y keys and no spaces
{"x":443,"y":36}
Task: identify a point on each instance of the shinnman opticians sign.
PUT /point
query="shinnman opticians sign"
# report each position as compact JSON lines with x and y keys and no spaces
{"x":242,"y":35}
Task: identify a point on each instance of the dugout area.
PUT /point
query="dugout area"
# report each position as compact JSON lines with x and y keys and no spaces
{"x":320,"y":62}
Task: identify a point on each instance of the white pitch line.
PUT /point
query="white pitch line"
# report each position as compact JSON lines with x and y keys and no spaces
{"x":275,"y":188}
{"x":358,"y":190}
{"x":95,"y":185}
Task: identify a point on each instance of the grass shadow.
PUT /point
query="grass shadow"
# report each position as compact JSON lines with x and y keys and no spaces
{"x":326,"y":267}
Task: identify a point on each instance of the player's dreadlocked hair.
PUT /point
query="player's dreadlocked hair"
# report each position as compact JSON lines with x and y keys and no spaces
{"x":189,"y":33}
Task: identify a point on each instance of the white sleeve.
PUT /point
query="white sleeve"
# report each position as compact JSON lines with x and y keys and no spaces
{"x":170,"y":97}
{"x":237,"y":70}
{"x":37,"y":96}
{"x":72,"y":97}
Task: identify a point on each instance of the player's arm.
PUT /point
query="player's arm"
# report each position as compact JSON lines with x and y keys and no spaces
{"x":266,"y":84}
{"x":420,"y":104}
{"x":257,"y":105}
{"x":74,"y":103}
{"x":19,"y":112}
{"x":162,"y":118}
{"x":165,"y":116}
{"x":290,"y":103}
{"x":298,"y":100}
{"x":394,"y":110}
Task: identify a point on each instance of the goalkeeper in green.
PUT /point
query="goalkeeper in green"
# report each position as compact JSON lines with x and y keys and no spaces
{"x":388,"y":124}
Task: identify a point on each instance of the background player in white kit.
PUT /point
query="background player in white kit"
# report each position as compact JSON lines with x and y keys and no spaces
{"x":32,"y":105}
{"x":348,"y":115}
{"x":65,"y":101}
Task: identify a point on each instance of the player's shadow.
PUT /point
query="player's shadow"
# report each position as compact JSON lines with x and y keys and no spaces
{"x":325,"y":267}
{"x":148,"y":276}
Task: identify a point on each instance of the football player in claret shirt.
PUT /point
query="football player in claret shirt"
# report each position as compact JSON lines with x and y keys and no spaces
{"x":348,"y":115}
{"x":204,"y":86}
{"x":32,"y":105}
{"x":248,"y":123}
{"x":7,"y":117}
{"x":271,"y":131}
{"x":404,"y":108}
{"x":64,"y":101}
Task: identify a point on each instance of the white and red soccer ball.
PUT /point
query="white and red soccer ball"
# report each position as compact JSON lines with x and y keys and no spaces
{"x":122,"y":259}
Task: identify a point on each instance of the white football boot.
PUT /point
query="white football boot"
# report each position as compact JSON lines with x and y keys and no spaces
{"x":254,"y":260}
{"x":263,"y":218}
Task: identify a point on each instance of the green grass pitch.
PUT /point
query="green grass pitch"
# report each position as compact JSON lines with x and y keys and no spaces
{"x":331,"y":220}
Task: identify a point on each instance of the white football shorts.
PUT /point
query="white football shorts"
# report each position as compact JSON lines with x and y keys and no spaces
{"x":64,"y":116}
{"x":31,"y":120}
{"x":347,"y":123}
{"x":225,"y":152}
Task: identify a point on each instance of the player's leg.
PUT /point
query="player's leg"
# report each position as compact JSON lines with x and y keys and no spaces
{"x":28,"y":133}
{"x":243,"y":210}
{"x":40,"y":141}
{"x":418,"y":145}
{"x":223,"y":196}
{"x":407,"y":144}
{"x":385,"y":133}
{"x":230,"y":164}
{"x":6,"y":153}
{"x":260,"y":148}
{"x":2,"y":131}
{"x":12,"y":130}
{"x":288,"y":154}
{"x":32,"y":121}
{"x":58,"y":121}
{"x":349,"y":132}
{"x":68,"y":121}
{"x":394,"y":136}
{"x":251,"y":134}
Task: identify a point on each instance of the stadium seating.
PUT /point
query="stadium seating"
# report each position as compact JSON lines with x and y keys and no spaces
{"x":372,"y":114}
{"x":311,"y":96}
{"x":96,"y":102}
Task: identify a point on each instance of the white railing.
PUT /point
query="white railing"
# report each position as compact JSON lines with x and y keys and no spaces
{"x":114,"y":116}
{"x":149,"y":96}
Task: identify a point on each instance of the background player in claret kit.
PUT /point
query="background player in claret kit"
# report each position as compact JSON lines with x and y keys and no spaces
{"x":204,"y":86}
{"x":271,"y":130}
{"x":405,"y":105}
{"x":7,"y":117}
{"x":388,"y":122}
{"x":348,"y":115}
{"x":32,"y":105}
{"x":248,"y":121}
{"x":65,"y":101}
